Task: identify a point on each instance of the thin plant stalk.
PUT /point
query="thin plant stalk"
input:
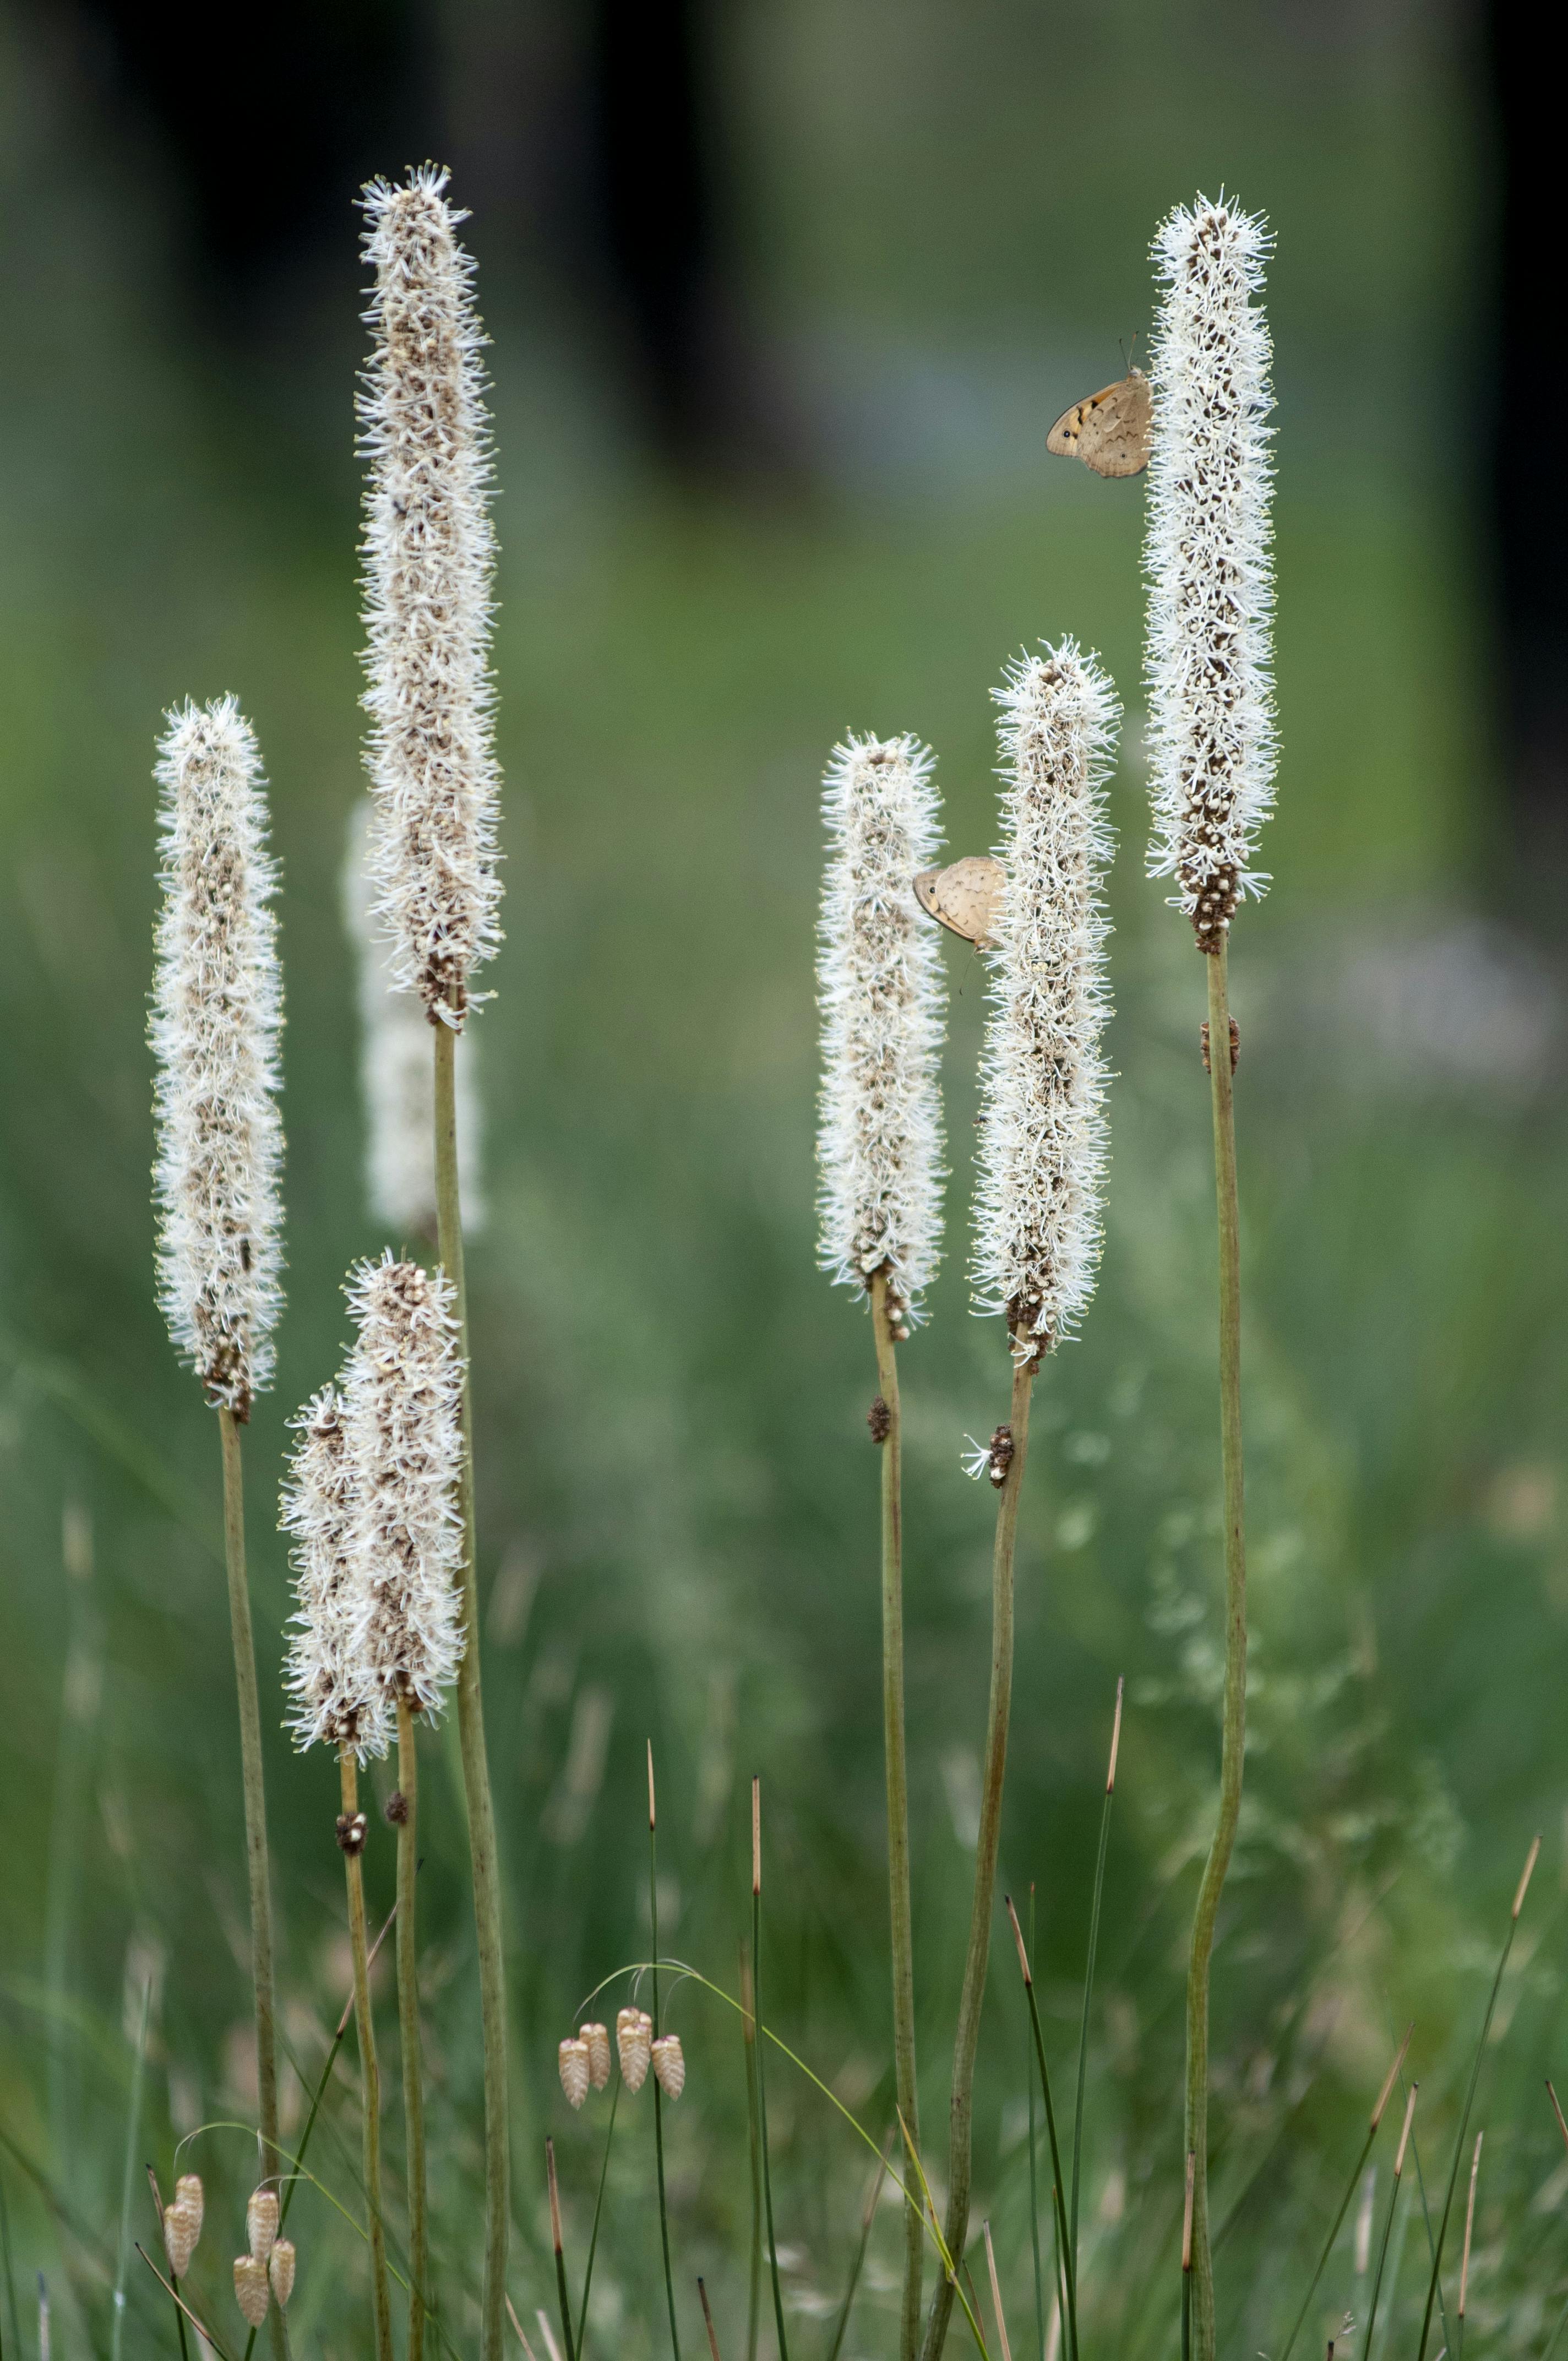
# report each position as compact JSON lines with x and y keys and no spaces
{"x":172,"y":2282}
{"x":471,"y":1736}
{"x":755,"y":2279}
{"x":407,"y":2025}
{"x":996,"y":2296}
{"x":1058,"y":2187}
{"x":127,"y":2176}
{"x":761,"y":2072}
{"x":594,"y":2233}
{"x":1034,"y":2169}
{"x":258,"y":1871}
{"x":563,"y":2299}
{"x":658,"y":2094}
{"x":1388,"y":2218}
{"x":978,"y":1954}
{"x":1233,"y":1739}
{"x":1470,"y":2098}
{"x":1389,"y":2079}
{"x":708,"y":2321}
{"x":370,"y":2072}
{"x":1187,"y":2262}
{"x":12,"y":2312}
{"x":1089,"y":1966}
{"x":868,"y":2215}
{"x":899,"y":1908}
{"x":1469,"y":2231}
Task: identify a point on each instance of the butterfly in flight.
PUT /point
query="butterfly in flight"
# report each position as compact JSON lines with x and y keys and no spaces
{"x":1110,"y":432}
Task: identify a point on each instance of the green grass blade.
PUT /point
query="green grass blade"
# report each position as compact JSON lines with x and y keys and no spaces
{"x":762,"y":2090}
{"x":658,"y":2094}
{"x":1089,"y":1965}
{"x":127,"y":2175}
{"x":749,"y":2033}
{"x":594,"y":2234}
{"x":1354,"y":2184}
{"x":1034,"y":2172}
{"x":867,"y":2217}
{"x":1059,"y":2190}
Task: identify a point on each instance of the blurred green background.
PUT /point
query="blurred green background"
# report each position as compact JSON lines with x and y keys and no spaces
{"x":935,"y":226}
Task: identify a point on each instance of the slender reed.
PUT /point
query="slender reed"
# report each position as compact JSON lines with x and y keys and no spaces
{"x":868,"y":2215}
{"x":594,"y":2232}
{"x":1211,"y":749}
{"x":1038,"y":1229}
{"x":1089,"y":1965}
{"x":708,"y":2321}
{"x":404,"y":1809}
{"x":1520,"y":1892}
{"x":1388,"y":2081}
{"x":1059,"y":2189}
{"x":996,"y":2295}
{"x":658,"y":2092}
{"x":127,"y":2174}
{"x":761,"y":2074}
{"x":754,"y":2270}
{"x":1187,"y":2260}
{"x":351,"y":1838}
{"x":218,"y":1011}
{"x":1034,"y":2170}
{"x":563,"y":2299}
{"x":429,"y":560}
{"x":1469,"y":2231}
{"x":879,"y":982}
{"x":1388,"y":2218}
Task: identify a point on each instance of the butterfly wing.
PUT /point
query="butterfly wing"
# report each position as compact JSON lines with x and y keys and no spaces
{"x":1110,"y":432}
{"x":964,"y":897}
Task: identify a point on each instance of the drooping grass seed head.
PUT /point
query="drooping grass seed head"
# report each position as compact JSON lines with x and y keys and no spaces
{"x":429,"y":551}
{"x":335,"y":1699}
{"x":261,"y":2222}
{"x":1043,"y":1133}
{"x":250,"y":2288}
{"x":1207,"y":559}
{"x":216,"y":1014}
{"x":880,"y":990}
{"x":634,"y":2040}
{"x":401,"y":1398}
{"x":597,"y":2041}
{"x":281,"y":2271}
{"x":182,"y":2224}
{"x":669,"y":2065}
{"x":575,"y":2070}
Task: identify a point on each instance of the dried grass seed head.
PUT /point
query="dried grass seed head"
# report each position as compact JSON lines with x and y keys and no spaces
{"x":428,"y":553}
{"x":1043,"y":1140}
{"x":280,"y":2265}
{"x":598,"y":2040}
{"x":261,"y":2222}
{"x":575,"y":2070}
{"x":669,"y":2065}
{"x":634,"y":2040}
{"x":182,"y":2224}
{"x":218,"y":1009}
{"x":336,"y":1699}
{"x":1209,"y":563}
{"x":402,"y":1391}
{"x":879,"y":991}
{"x":250,"y":2288}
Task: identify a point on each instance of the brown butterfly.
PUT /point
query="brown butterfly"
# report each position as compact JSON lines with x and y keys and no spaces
{"x":964,"y":897}
{"x":1110,"y":432}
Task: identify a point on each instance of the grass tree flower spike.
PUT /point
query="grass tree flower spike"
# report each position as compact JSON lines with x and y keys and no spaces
{"x":1042,"y":1158}
{"x":880,"y":986}
{"x":429,"y":553}
{"x":337,"y":1701}
{"x":216,"y":1015}
{"x":1212,"y":749}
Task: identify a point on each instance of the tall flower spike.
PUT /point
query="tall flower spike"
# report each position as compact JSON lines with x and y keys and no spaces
{"x":1207,"y":556}
{"x":335,"y":1701}
{"x":1042,"y":1136}
{"x":396,"y":1072}
{"x":428,"y":553}
{"x":879,"y":978}
{"x":401,"y":1393}
{"x":216,"y":1011}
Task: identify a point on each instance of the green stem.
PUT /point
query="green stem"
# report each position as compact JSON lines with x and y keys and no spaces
{"x":658,"y":2094}
{"x":977,"y":1955}
{"x":1233,"y":1741}
{"x":594,"y":2234}
{"x":749,"y":2028}
{"x":370,"y":2072}
{"x":761,"y":2075}
{"x":127,"y":2176}
{"x":1067,"y":2265}
{"x":563,"y":2299}
{"x":271,"y":2156}
{"x":868,"y":2215}
{"x":900,"y":1909}
{"x":471,"y":1736}
{"x":408,"y":2026}
{"x":1033,"y":2178}
{"x":1089,"y":1967}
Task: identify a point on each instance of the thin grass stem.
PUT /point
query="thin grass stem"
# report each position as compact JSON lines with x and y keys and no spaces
{"x":992,"y":1778}
{"x":1470,"y":2098}
{"x":1058,"y":2192}
{"x":471,"y":1738}
{"x":182,"y":2308}
{"x":1388,"y":2218}
{"x":1469,"y":2230}
{"x":1034,"y":2168}
{"x":996,"y":2295}
{"x":761,"y":2072}
{"x":255,"y":1812}
{"x":754,"y":2277}
{"x":561,"y":2298}
{"x":1187,"y":2261}
{"x":708,"y":2321}
{"x":868,"y":2215}
{"x":173,"y":2282}
{"x":1389,"y":2080}
{"x":890,"y":1428}
{"x":351,"y":1836}
{"x":127,"y":2175}
{"x":594,"y":2233}
{"x":10,"y":2272}
{"x":658,"y":2094}
{"x":408,"y":2026}
{"x":1089,"y":1965}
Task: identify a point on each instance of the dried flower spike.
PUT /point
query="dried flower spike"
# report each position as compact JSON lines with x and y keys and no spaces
{"x":669,"y":2065}
{"x":634,"y":2039}
{"x":879,"y":978}
{"x":398,"y":1073}
{"x":216,"y":1011}
{"x":597,"y":2041}
{"x":401,"y":1392}
{"x":261,"y":2222}
{"x":335,"y":1701}
{"x":429,"y":556}
{"x":250,"y":2288}
{"x":1207,"y":556}
{"x":1043,"y":1139}
{"x":575,"y":2070}
{"x":281,"y":2271}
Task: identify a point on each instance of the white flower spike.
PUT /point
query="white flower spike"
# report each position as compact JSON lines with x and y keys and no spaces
{"x":218,"y":1010}
{"x":336,"y":1699}
{"x":429,"y":558}
{"x":1207,"y":556}
{"x":1043,"y":1135}
{"x":880,"y":989}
